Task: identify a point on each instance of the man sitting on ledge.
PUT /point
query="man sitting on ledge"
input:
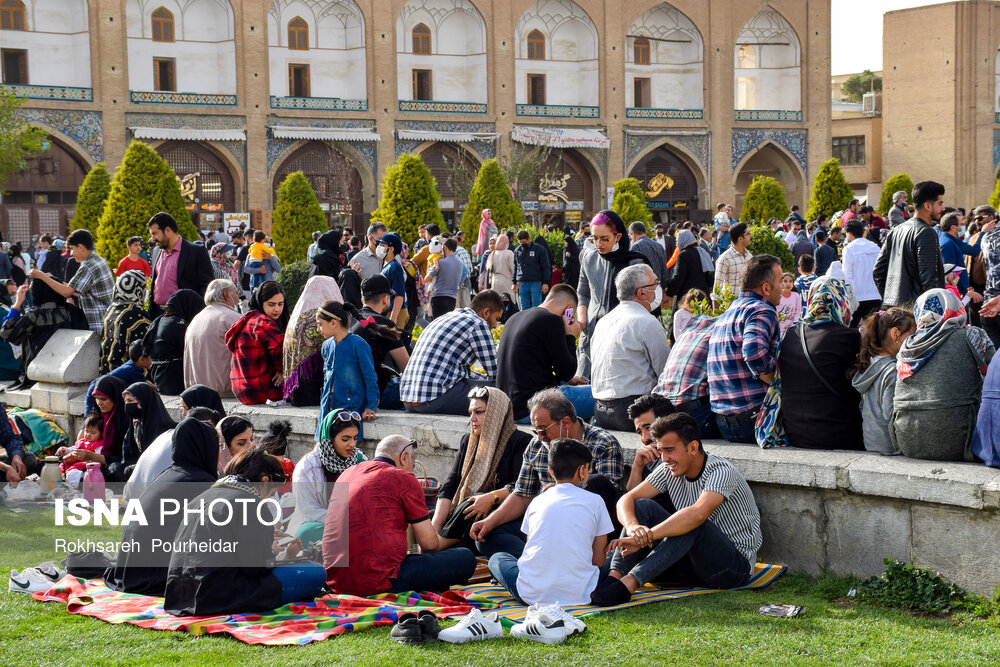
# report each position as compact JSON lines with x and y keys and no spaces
{"x":713,"y":536}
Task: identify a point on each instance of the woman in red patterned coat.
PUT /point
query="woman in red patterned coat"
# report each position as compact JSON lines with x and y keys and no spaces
{"x":256,"y":341}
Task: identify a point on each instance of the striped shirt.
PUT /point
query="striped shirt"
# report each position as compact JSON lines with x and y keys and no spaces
{"x":743,"y":346}
{"x":737,"y":516}
{"x":607,"y":461}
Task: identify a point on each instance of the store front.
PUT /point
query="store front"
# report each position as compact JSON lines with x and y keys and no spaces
{"x":334,"y":179}
{"x":672,"y":191}
{"x":206,"y":182}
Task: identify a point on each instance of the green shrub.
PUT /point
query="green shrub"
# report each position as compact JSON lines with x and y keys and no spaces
{"x":904,"y":586}
{"x":830,"y":190}
{"x":994,"y":199}
{"x":489,"y":191}
{"x":409,"y":198}
{"x":296,"y":216}
{"x":901,"y":181}
{"x":554,"y":240}
{"x":144,"y":184}
{"x":764,"y":199}
{"x":629,"y":202}
{"x":292,"y":278}
{"x":91,"y":198}
{"x":764,"y":242}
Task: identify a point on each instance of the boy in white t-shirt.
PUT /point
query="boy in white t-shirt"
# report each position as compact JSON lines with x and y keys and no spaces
{"x":567,"y":531}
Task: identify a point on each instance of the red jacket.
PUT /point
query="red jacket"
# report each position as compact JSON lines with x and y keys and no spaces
{"x":255,"y":342}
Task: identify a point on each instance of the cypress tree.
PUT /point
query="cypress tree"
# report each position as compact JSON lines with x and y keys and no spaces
{"x":297,"y":215}
{"x":994,"y":199}
{"x":409,"y":198}
{"x":491,"y":191}
{"x":830,"y":191}
{"x":764,"y":199}
{"x":900,"y":181}
{"x":91,"y":198}
{"x":629,"y":202}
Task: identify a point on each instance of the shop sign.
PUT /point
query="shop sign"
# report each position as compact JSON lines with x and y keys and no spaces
{"x":233,"y":221}
{"x":553,"y":188}
{"x":574,"y":206}
{"x":658,"y":184}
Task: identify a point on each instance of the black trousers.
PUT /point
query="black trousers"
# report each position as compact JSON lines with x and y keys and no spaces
{"x":441,"y":305}
{"x":865,"y":308}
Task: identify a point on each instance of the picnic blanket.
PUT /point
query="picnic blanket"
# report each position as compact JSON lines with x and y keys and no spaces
{"x":511,"y":611}
{"x":289,"y":625}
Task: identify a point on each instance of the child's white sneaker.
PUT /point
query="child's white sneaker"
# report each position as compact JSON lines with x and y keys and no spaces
{"x":474,"y":626}
{"x":538,"y":629}
{"x":554,"y":612}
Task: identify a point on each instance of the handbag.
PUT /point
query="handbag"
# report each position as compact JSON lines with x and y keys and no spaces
{"x":812,"y":366}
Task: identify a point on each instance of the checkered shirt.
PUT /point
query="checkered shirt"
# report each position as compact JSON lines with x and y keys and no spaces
{"x":743,"y":346}
{"x":94,"y":283}
{"x":535,"y":467}
{"x":685,"y":377}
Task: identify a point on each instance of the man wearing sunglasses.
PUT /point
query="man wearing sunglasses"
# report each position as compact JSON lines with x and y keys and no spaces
{"x":552,"y":418}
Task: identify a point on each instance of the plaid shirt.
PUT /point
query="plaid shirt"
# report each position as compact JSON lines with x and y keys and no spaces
{"x":685,"y":377}
{"x":94,"y":283}
{"x":728,"y":268}
{"x":535,"y":466}
{"x":463,"y":255}
{"x":256,"y":344}
{"x":443,"y":354}
{"x":743,"y":346}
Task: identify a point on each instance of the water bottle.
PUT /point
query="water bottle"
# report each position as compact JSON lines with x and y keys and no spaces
{"x":93,"y":483}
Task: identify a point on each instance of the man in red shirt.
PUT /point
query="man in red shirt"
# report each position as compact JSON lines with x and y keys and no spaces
{"x":364,"y":542}
{"x":132,"y":260}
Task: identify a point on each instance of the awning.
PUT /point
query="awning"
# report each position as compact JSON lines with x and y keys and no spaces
{"x":188,"y":134}
{"x":455,"y":137}
{"x":560,"y":137}
{"x":325,"y":133}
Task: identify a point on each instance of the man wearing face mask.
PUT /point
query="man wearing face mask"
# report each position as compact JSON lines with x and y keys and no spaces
{"x":388,"y":249}
{"x":378,"y":295}
{"x":206,"y":357}
{"x":367,"y":262}
{"x":532,"y":271}
{"x":629,"y":349}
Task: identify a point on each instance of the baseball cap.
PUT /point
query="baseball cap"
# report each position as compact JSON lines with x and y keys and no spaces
{"x":392,"y":240}
{"x":376,"y":285}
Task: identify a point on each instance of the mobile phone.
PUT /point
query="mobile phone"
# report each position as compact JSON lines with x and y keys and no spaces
{"x":568,"y":315}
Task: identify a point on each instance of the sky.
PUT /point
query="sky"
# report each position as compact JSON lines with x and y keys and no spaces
{"x":856,"y":27}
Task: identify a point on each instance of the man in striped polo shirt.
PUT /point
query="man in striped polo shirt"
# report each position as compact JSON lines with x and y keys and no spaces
{"x":713,"y":536}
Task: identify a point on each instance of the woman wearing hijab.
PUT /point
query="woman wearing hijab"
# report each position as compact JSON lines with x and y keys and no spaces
{"x":819,"y":407}
{"x":940,"y":381}
{"x":256,"y":344}
{"x":500,"y":266}
{"x":690,"y":271}
{"x":487,"y":228}
{"x":207,"y":584}
{"x":200,"y":396}
{"x":483,"y":475}
{"x":598,"y":270}
{"x":316,"y":472}
{"x":149,"y":417}
{"x":164,"y":341}
{"x":222,"y":263}
{"x":126,"y":320}
{"x":194,"y":459}
{"x":571,"y":262}
{"x":329,"y":260}
{"x":302,"y":362}
{"x":111,"y":407}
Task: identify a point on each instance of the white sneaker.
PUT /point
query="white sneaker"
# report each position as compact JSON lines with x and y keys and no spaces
{"x":554,"y":612}
{"x":535,"y":628}
{"x":474,"y":626}
{"x":29,"y":580}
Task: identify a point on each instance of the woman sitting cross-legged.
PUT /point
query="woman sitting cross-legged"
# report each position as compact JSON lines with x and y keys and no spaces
{"x":209,"y":584}
{"x":488,"y":462}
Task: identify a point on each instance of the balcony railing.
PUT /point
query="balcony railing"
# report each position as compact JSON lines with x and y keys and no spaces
{"x":767,"y":114}
{"x":557,"y":111}
{"x":665,"y":114}
{"x":169,"y":97}
{"x":325,"y":103}
{"x":431,"y":106}
{"x":53,"y":92}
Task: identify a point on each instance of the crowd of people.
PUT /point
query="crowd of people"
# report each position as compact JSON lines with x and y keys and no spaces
{"x":866,"y":345}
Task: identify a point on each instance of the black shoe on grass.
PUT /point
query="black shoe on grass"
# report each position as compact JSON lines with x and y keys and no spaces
{"x":408,"y":630}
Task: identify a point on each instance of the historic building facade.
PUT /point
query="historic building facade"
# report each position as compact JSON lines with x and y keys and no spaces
{"x":693,"y":97}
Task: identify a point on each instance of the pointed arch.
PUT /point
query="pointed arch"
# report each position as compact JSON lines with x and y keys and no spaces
{"x":162,"y":20}
{"x":767,"y":64}
{"x":421,"y":39}
{"x":536,"y":45}
{"x":770,"y":159}
{"x":298,"y":34}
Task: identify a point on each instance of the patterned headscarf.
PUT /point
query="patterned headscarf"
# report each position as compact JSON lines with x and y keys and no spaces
{"x":130,"y":288}
{"x":332,"y":461}
{"x":482,"y":456}
{"x":939,"y":314}
{"x":827,"y":303}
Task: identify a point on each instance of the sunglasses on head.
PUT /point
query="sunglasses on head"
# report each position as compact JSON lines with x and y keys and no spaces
{"x":411,"y":443}
{"x":479,"y":392}
{"x":347,"y":416}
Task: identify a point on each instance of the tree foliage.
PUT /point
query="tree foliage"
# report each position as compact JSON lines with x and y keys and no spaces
{"x":144,"y":184}
{"x":764,"y":199}
{"x":91,"y":198}
{"x":409,"y":198}
{"x":764,"y":242}
{"x":629,"y":202}
{"x":292,"y":278}
{"x":830,"y":192}
{"x":521,"y":167}
{"x":994,"y":199}
{"x":297,"y":215}
{"x":489,"y":191}
{"x":900,"y":181}
{"x":857,"y":85}
{"x":18,"y":140}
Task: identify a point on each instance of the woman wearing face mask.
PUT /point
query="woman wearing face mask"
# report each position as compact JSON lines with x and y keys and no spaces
{"x":164,"y":341}
{"x":149,"y":417}
{"x":256,"y":344}
{"x":336,"y":450}
{"x":302,"y":362}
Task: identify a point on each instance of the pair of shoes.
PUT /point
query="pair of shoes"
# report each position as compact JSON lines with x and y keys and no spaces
{"x":549,"y":625}
{"x":412,"y":629}
{"x":474,"y":626}
{"x":35,"y":579}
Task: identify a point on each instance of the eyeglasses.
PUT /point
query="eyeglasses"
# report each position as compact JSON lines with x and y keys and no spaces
{"x":649,"y":286}
{"x":411,"y":443}
{"x":347,"y":416}
{"x":479,"y":392}
{"x":542,"y":430}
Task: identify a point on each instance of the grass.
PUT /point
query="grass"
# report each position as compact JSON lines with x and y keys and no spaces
{"x":724,"y":628}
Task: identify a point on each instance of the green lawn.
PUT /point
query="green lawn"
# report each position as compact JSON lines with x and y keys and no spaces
{"x":717,"y":629}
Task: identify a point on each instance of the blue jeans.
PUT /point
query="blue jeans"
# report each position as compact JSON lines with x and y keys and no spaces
{"x":582,"y":399}
{"x":706,"y":421}
{"x":434,"y":572}
{"x":529,"y":294}
{"x":300,"y":582}
{"x":703,"y":557}
{"x":506,"y":538}
{"x":390,"y":396}
{"x":504,"y":569}
{"x":734,"y":431}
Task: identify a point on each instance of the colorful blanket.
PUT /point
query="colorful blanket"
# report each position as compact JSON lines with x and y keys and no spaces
{"x":292,"y":624}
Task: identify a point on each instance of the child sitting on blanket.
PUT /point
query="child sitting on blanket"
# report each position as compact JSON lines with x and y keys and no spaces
{"x":567,"y":531}
{"x":73,"y":463}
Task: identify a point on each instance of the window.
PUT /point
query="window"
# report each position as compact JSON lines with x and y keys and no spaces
{"x":298,"y":80}
{"x":746,"y":92}
{"x":536,"y":45}
{"x":746,"y":57}
{"x":536,"y":89}
{"x":163,"y":25}
{"x":298,"y":34}
{"x":422,"y":40}
{"x":11,"y":15}
{"x":422,"y":84}
{"x":163,"y":74}
{"x":849,"y":150}
{"x":642,"y":92}
{"x":15,"y":66}
{"x":640,"y":51}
